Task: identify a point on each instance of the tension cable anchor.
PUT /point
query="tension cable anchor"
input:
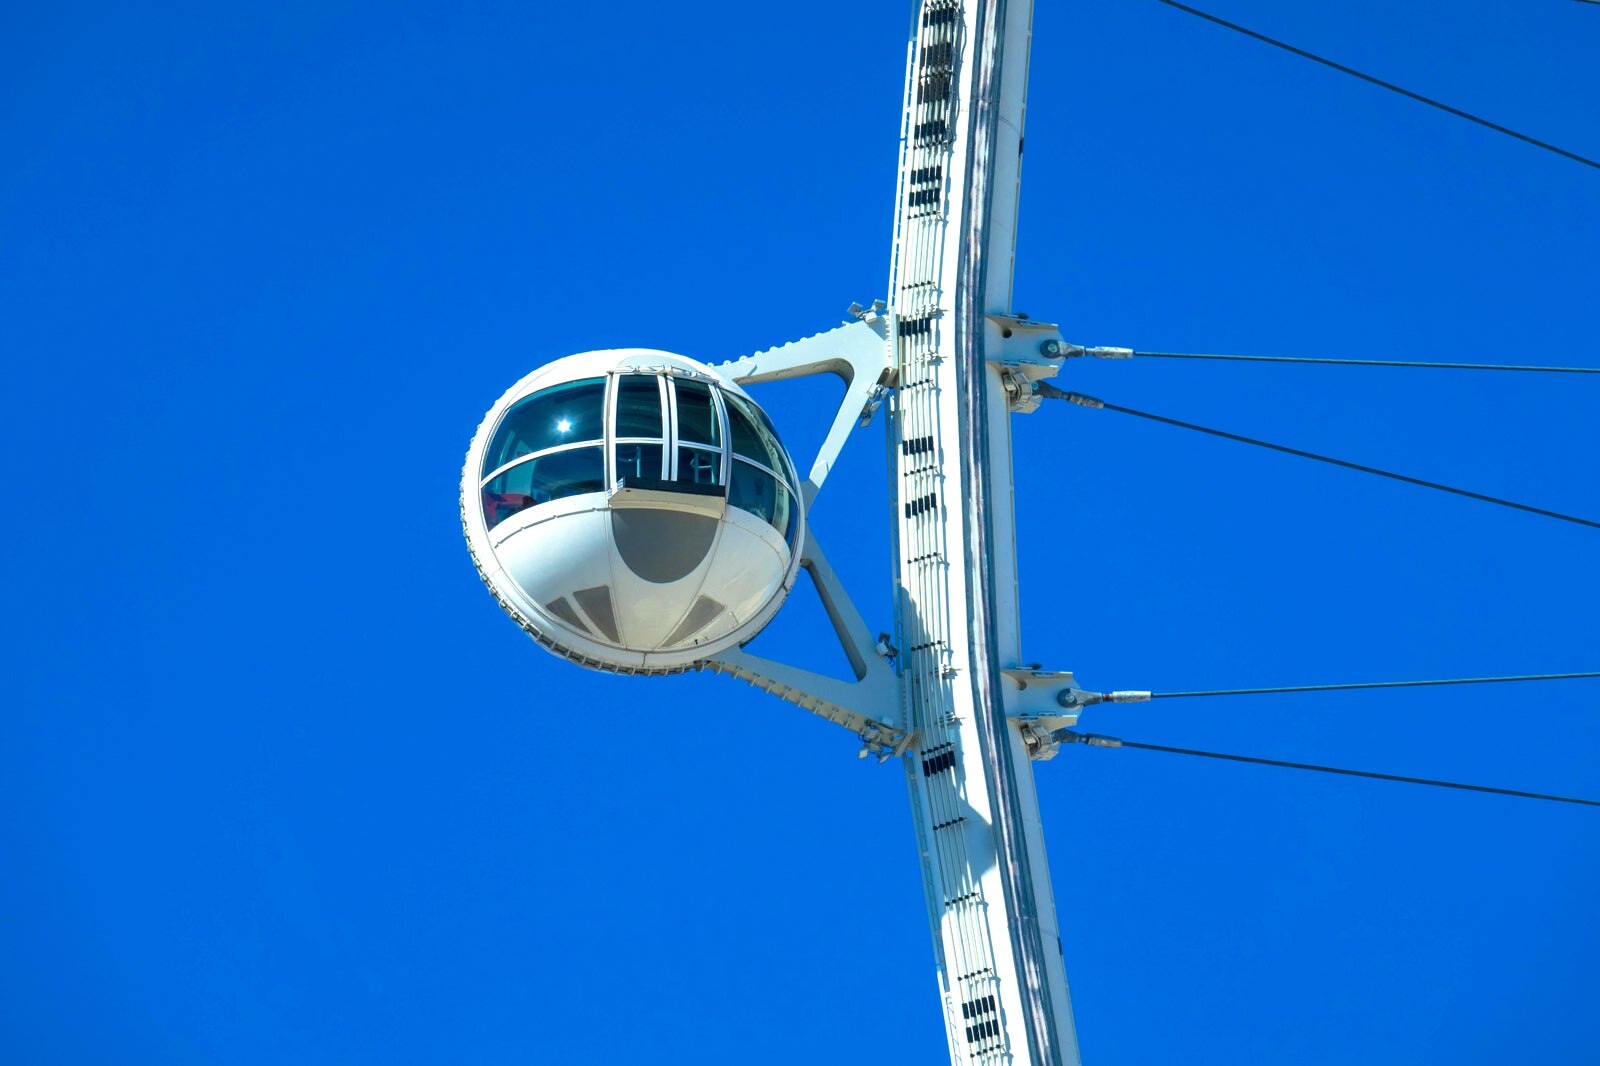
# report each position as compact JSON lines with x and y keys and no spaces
{"x":885,"y":745}
{"x":1077,"y":697}
{"x":870,"y":408}
{"x":1093,"y":740}
{"x":1050,"y":392}
{"x":1054,"y":349}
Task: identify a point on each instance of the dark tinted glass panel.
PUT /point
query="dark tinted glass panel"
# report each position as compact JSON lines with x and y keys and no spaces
{"x":783,"y":520}
{"x":791,"y":524}
{"x":750,"y":435}
{"x":549,"y":477}
{"x":638,"y":406}
{"x":697,"y":417}
{"x":755,"y":491}
{"x":564,"y":414}
{"x":699,"y":467}
{"x":635,"y":461}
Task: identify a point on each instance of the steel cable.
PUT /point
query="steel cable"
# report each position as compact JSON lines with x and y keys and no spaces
{"x":1097,"y":741}
{"x":1369,"y":685}
{"x":1045,"y":389}
{"x":1574,"y":156}
{"x":1369,"y":362}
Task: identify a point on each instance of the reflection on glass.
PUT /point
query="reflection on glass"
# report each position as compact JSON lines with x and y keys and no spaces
{"x":564,"y":414}
{"x":699,"y":466}
{"x":791,"y":517}
{"x":636,"y":461}
{"x":742,"y":428}
{"x":549,"y":477}
{"x":697,"y":417}
{"x":752,"y":434}
{"x":757,"y":492}
{"x":638,"y":406}
{"x":784,"y":516}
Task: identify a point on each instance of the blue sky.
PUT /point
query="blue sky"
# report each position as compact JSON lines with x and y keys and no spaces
{"x":278,"y":782}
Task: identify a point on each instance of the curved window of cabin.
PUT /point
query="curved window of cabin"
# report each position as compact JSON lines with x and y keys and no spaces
{"x":791,"y":519}
{"x":700,"y":466}
{"x":697,"y":415}
{"x":638,"y":429}
{"x":638,"y":406}
{"x":552,"y":476}
{"x":757,"y":491}
{"x":638,"y":462}
{"x":752,"y":437}
{"x":569,"y":413}
{"x":698,"y":428}
{"x":759,"y":480}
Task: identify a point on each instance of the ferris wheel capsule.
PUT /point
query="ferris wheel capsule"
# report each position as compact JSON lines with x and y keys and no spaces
{"x":632,"y":510}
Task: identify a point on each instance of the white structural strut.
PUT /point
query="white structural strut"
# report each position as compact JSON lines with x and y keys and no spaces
{"x":990,"y":903}
{"x":865,"y":706}
{"x":970,"y":716}
{"x":949,"y":691}
{"x":858,"y":353}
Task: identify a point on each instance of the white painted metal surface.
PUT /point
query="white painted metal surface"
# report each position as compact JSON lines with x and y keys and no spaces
{"x":957,"y":702}
{"x":990,"y":903}
{"x":632,"y":510}
{"x":858,"y":353}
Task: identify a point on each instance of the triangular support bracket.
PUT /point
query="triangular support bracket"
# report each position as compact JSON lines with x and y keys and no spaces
{"x":859,"y":353}
{"x":869,"y":706}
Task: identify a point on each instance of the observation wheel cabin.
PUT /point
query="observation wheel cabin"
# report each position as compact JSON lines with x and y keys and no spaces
{"x":633,"y":510}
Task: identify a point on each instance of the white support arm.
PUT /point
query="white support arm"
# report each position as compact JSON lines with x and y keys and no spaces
{"x":857,"y":352}
{"x":868,"y":706}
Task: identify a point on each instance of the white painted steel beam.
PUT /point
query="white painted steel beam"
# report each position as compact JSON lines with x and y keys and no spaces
{"x":857,"y":353}
{"x":990,"y":904}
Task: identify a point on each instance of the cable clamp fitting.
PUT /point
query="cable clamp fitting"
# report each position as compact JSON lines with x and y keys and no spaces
{"x":1094,"y":740}
{"x":1050,"y":392}
{"x":1076,"y":697}
{"x":1059,"y":349}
